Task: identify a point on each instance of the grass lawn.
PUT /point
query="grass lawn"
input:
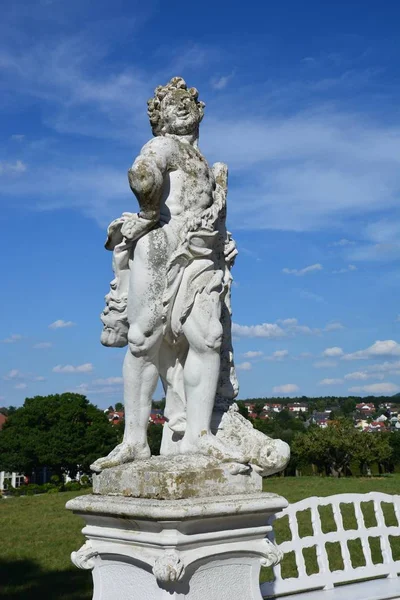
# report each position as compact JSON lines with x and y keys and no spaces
{"x":38,"y":536}
{"x":297,"y":488}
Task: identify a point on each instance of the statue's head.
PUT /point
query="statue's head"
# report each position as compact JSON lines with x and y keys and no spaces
{"x":175,"y":109}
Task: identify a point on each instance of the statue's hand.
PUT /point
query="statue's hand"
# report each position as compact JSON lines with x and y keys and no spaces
{"x":130,"y":225}
{"x":230,"y":250}
{"x":134,"y":226}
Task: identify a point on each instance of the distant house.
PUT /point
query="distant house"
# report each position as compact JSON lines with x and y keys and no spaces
{"x":115,"y":416}
{"x":273,"y":407}
{"x":366,"y":408}
{"x":3,"y":419}
{"x":376,"y":426}
{"x":382,"y":419}
{"x":390,"y":408}
{"x":157,"y":418}
{"x":13,"y":479}
{"x":298,"y":407}
{"x":319,"y":418}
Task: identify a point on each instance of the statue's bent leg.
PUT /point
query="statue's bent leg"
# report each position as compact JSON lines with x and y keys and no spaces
{"x":172,"y":359}
{"x":203,"y":332}
{"x":140,"y":373}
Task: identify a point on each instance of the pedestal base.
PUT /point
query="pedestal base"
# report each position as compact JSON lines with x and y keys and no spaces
{"x":197,"y":549}
{"x":176,"y":477}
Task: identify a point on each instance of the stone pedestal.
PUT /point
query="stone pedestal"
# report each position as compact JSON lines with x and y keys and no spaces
{"x":195,"y":549}
{"x":177,"y":477}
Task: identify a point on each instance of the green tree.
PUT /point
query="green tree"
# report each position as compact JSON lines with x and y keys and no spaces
{"x":242,"y":409}
{"x":329,"y":449}
{"x":370,"y":448}
{"x":348,"y":406}
{"x":258,"y":409}
{"x":119,"y":407}
{"x":394,"y":441}
{"x":64,"y":432}
{"x":154,"y":435}
{"x":332,"y":449}
{"x":158,"y":404}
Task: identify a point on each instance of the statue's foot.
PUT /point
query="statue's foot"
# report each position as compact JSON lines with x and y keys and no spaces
{"x":209,"y":445}
{"x":123,"y":453}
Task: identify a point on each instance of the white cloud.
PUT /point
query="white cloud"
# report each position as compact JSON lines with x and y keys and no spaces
{"x":13,"y":374}
{"x":385,"y":367}
{"x":306,"y":295}
{"x":85,"y":368}
{"x":397,"y":320}
{"x":362,"y":376}
{"x":330,"y":382}
{"x":333,"y":352}
{"x":16,"y":168}
{"x":60,"y":324}
{"x":220,"y":83}
{"x":292,"y":327}
{"x":82,"y":387}
{"x":305,"y":355}
{"x":288,"y":322}
{"x":15,"y":337}
{"x":379,"y":348}
{"x":17,"y":137}
{"x":42,"y":345}
{"x":304,"y":271}
{"x":287,"y":388}
{"x":319,"y":168}
{"x":343,"y":242}
{"x":322,"y":364}
{"x":278,"y":355}
{"x":109,"y":381}
{"x":283,"y":328}
{"x":244,"y":366}
{"x":376,"y":388}
{"x":335,"y":326}
{"x":309,"y":169}
{"x":20,"y":386}
{"x":382,"y":242}
{"x":253,"y":353}
{"x":348,"y":269}
{"x":265,"y":330}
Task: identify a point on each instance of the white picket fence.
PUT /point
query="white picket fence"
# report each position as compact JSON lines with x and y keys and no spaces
{"x":324,"y":585}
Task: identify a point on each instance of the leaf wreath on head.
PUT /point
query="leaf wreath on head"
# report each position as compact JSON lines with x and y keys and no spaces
{"x":154,"y":104}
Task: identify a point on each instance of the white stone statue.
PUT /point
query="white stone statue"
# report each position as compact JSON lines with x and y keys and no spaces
{"x":170,"y":299}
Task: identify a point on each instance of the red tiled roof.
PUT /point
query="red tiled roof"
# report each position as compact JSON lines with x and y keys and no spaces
{"x":3,"y":419}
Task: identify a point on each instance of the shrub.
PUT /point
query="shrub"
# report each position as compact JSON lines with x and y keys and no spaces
{"x":46,"y":487}
{"x":72,"y":486}
{"x":85,"y":481}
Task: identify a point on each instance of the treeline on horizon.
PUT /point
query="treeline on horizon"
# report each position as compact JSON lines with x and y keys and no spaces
{"x":292,"y":399}
{"x":66,"y":433}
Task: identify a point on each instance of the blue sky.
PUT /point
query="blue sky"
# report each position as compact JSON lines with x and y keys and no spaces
{"x":302,"y":103}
